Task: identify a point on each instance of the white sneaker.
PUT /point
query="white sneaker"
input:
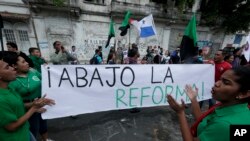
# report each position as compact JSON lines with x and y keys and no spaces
{"x":50,"y":140}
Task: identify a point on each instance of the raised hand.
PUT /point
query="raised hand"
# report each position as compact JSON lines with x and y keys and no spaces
{"x":41,"y":110}
{"x":41,"y":102}
{"x":178,"y":108}
{"x":192,"y":94}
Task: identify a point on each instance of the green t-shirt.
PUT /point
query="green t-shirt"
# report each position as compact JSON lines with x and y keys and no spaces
{"x":37,"y":61}
{"x":11,"y":109}
{"x":216,"y":126}
{"x":28,"y":87}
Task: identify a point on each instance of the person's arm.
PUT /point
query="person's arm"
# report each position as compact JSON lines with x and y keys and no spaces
{"x":15,"y":125}
{"x":34,"y":107}
{"x":179,"y":109}
{"x":69,"y":55}
{"x":192,"y":94}
{"x":45,"y":101}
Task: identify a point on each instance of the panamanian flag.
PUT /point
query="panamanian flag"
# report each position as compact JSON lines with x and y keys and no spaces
{"x":147,"y":27}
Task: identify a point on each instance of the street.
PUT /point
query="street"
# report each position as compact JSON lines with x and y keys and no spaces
{"x":150,"y":124}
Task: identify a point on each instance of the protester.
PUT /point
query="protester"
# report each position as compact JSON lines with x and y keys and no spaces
{"x":111,"y":58}
{"x":119,"y":55}
{"x":237,"y":57}
{"x":73,"y":53}
{"x":13,"y":119}
{"x":175,"y":56}
{"x":157,"y":57}
{"x":35,"y":56}
{"x":28,"y":85}
{"x":149,"y":55}
{"x":144,"y":60}
{"x":165,"y":59}
{"x":229,"y":58}
{"x":13,"y":47}
{"x":133,"y":55}
{"x":100,"y":54}
{"x":61,"y":56}
{"x":220,"y":65}
{"x":233,"y":93}
{"x":96,"y":59}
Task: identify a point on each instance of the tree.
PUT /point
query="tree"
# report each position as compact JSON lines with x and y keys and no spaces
{"x":229,"y":15}
{"x":58,"y":3}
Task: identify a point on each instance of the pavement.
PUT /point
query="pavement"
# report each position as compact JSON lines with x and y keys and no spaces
{"x":150,"y":124}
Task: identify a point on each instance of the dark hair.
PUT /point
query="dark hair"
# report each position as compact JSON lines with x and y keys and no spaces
{"x":32,"y":49}
{"x":9,"y":57}
{"x":227,"y":57}
{"x":200,"y":51}
{"x":222,"y":52}
{"x":54,"y":44}
{"x":110,"y":56}
{"x":243,"y":73}
{"x":134,"y":45}
{"x":236,"y":50}
{"x":133,"y":52}
{"x":96,"y":51}
{"x":12,"y":45}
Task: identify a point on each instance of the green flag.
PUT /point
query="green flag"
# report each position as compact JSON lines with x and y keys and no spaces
{"x":125,"y":24}
{"x":190,"y":30}
{"x":188,"y":48}
{"x":111,"y":32}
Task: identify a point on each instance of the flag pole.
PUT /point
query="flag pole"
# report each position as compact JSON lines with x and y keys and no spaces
{"x":129,"y":37}
{"x":115,"y":45}
{"x":1,"y":36}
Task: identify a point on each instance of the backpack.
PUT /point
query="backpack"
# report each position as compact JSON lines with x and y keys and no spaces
{"x":93,"y":60}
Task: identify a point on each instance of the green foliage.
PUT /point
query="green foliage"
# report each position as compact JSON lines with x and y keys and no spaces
{"x":59,"y":3}
{"x":183,"y":4}
{"x":229,"y":15}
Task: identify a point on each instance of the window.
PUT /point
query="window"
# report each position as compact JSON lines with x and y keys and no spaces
{"x":9,"y":34}
{"x":23,"y":35}
{"x":96,"y":1}
{"x":238,"y":38}
{"x":18,"y":33}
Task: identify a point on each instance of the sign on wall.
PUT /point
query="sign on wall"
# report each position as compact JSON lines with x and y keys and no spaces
{"x":79,"y":89}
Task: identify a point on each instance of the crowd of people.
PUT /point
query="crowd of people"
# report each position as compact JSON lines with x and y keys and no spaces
{"x":21,"y":100}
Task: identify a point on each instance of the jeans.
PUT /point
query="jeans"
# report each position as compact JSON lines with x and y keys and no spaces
{"x":37,"y":124}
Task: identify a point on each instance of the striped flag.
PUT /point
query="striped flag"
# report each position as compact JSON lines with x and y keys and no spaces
{"x":111,"y":33}
{"x":188,"y":47}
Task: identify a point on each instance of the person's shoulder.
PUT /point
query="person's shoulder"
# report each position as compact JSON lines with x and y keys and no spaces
{"x":14,"y":84}
{"x":33,"y":71}
{"x":215,"y":128}
{"x":226,"y":64}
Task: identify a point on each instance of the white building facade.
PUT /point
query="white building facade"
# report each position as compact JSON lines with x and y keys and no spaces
{"x":85,"y":24}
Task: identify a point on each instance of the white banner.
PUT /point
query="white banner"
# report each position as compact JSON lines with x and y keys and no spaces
{"x":79,"y":89}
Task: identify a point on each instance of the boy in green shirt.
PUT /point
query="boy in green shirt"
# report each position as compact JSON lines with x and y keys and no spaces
{"x":13,"y":119}
{"x":35,"y":56}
